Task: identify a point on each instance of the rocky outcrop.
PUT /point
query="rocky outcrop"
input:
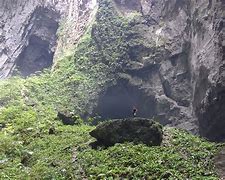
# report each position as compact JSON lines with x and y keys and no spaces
{"x":136,"y":130}
{"x":219,"y":162}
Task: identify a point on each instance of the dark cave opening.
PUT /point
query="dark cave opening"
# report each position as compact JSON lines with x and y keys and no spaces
{"x":35,"y":57}
{"x":119,"y":100}
{"x":41,"y":41}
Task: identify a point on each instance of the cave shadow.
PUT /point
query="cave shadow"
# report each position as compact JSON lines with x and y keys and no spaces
{"x":35,"y":57}
{"x":118,"y":101}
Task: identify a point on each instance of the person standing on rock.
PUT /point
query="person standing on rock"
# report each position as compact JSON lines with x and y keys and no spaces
{"x":134,"y":111}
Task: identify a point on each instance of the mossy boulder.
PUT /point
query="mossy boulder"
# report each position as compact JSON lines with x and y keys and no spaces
{"x":69,"y":118}
{"x":137,"y":130}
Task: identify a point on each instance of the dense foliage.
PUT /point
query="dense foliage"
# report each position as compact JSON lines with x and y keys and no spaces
{"x":66,"y":155}
{"x":182,"y":157}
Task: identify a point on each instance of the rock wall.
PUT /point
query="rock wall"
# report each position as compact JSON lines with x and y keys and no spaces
{"x":79,"y":16}
{"x":179,"y":67}
{"x":207,"y":64}
{"x":156,"y":74}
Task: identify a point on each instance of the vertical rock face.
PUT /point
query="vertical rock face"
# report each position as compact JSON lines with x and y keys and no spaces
{"x":156,"y":77}
{"x":28,"y":37}
{"x":179,"y":68}
{"x":79,"y":14}
{"x":207,"y":62}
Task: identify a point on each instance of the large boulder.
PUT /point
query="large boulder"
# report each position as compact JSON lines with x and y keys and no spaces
{"x":137,"y":130}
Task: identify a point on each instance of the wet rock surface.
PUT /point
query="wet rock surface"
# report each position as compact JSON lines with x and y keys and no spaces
{"x":207,"y":64}
{"x":28,"y":36}
{"x":38,"y":53}
{"x":137,"y":130}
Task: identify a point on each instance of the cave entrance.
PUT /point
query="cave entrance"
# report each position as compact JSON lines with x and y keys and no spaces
{"x":118,"y":102}
{"x":41,"y":41}
{"x":35,"y":57}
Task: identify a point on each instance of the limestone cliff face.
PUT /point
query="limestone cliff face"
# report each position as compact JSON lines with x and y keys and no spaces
{"x":28,"y":31}
{"x":193,"y":73}
{"x":156,"y":78}
{"x":207,"y":65}
{"x":178,"y":72}
{"x":172,"y":67}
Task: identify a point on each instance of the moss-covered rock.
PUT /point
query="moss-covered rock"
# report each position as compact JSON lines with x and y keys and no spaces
{"x":180,"y":156}
{"x":137,"y":130}
{"x":69,"y":118}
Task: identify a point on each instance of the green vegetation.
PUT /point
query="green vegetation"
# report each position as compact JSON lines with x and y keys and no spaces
{"x":28,"y":151}
{"x":28,"y":110}
{"x":183,"y":157}
{"x":44,"y":156}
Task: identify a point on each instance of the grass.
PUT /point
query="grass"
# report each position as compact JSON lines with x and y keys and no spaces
{"x":44,"y":157}
{"x":34,"y":154}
